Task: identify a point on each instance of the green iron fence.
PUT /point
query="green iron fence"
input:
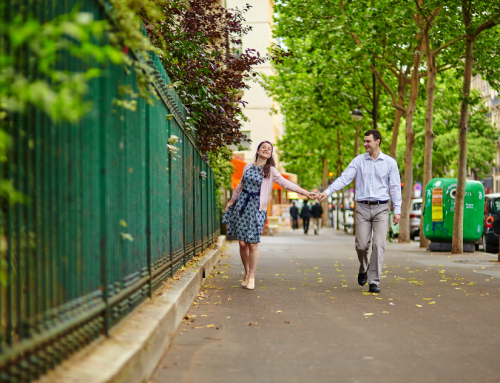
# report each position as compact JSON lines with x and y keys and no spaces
{"x":111,"y":215}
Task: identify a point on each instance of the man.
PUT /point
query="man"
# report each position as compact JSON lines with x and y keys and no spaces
{"x":305,"y":214}
{"x":294,"y":213}
{"x":376,"y":173}
{"x":317,"y":211}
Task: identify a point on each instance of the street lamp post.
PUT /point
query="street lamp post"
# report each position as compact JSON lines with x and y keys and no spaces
{"x":357,"y":116}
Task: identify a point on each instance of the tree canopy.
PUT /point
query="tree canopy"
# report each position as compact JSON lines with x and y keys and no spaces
{"x":403,"y":61}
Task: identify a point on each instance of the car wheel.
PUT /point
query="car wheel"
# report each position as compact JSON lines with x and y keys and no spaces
{"x":487,"y":248}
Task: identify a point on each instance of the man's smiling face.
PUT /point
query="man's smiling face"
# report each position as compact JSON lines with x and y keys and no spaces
{"x":371,"y":144}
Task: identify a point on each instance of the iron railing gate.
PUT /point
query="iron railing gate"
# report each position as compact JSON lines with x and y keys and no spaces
{"x":111,"y":214}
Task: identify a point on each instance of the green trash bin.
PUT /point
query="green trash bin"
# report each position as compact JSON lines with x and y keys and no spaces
{"x":439,"y":211}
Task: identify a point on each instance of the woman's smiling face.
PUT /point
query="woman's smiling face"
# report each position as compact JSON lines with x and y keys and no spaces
{"x":265,"y":150}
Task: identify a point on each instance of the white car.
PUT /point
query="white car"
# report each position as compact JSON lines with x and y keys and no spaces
{"x":415,"y":217}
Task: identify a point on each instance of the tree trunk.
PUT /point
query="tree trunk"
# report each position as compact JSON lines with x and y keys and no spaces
{"x":402,"y":86}
{"x":324,"y":204}
{"x":344,"y":210}
{"x":356,"y":153}
{"x":375,"y":100}
{"x":429,"y":137}
{"x":458,"y":221}
{"x":341,"y":166}
{"x":404,"y":225}
{"x":338,"y":204}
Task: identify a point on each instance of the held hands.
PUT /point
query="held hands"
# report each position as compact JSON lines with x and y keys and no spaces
{"x":396,"y":218}
{"x":321,"y":197}
{"x":311,"y":195}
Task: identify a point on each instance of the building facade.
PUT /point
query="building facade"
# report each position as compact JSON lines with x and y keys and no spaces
{"x":492,"y":101}
{"x":265,"y":123}
{"x":262,"y":125}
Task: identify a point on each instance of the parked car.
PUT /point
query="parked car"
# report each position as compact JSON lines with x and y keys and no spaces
{"x":491,"y":223}
{"x":415,"y":217}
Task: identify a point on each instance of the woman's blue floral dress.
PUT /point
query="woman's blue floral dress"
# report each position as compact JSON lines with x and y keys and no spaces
{"x":244,"y":219}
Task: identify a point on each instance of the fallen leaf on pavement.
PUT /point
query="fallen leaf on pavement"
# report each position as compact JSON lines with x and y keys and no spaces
{"x":210,"y":325}
{"x":418,"y":305}
{"x":229,"y":299}
{"x":279,"y":311}
{"x":385,"y":312}
{"x":368,"y":313}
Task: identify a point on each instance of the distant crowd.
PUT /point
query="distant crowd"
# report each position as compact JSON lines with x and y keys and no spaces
{"x":306,"y":213}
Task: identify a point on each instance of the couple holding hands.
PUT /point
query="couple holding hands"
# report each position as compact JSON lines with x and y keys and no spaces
{"x":376,"y":176}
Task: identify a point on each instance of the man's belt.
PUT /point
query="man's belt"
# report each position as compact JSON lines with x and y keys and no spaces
{"x":373,"y":202}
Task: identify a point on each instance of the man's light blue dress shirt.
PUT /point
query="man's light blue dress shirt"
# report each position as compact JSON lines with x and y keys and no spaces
{"x":374,"y":179}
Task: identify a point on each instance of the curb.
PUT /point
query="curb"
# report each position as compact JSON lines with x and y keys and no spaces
{"x":135,"y":347}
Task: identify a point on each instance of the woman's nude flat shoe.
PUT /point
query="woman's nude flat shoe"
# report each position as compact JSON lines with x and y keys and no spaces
{"x":251,"y":283}
{"x":244,"y":282}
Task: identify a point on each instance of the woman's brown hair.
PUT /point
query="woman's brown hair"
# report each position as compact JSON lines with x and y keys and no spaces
{"x":270,"y":161}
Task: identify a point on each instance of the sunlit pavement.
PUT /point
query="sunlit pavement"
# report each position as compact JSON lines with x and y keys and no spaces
{"x":435,"y":320}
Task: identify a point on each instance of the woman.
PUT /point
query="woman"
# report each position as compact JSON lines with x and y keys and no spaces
{"x":246,"y":212}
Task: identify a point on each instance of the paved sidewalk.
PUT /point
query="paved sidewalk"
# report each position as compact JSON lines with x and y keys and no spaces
{"x":436,"y":319}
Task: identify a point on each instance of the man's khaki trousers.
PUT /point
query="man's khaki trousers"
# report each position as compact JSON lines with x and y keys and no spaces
{"x":372,"y":223}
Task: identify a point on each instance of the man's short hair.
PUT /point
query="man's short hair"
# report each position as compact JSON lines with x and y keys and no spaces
{"x":376,"y":134}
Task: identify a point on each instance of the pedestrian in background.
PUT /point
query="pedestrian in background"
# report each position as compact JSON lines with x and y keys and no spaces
{"x":246,"y":211}
{"x":294,"y":213}
{"x":376,"y":174}
{"x":305,"y":214}
{"x":317,"y":212}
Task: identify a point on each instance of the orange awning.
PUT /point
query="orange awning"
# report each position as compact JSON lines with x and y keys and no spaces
{"x":238,"y":166}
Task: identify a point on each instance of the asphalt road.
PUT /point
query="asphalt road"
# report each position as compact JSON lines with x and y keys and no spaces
{"x":437,"y":318}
